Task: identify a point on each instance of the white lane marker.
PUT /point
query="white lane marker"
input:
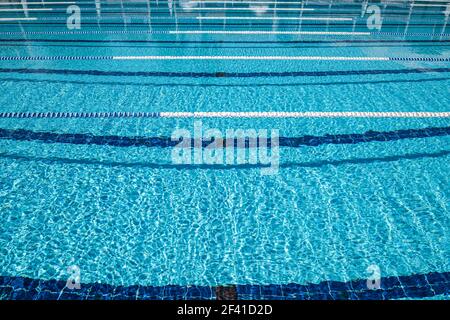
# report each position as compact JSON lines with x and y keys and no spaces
{"x":304,"y":58}
{"x":17,"y":19}
{"x":429,"y":5}
{"x":321,"y":33}
{"x":40,"y":3}
{"x":243,"y":9}
{"x":248,"y":2}
{"x":28,"y":9}
{"x":277,"y":18}
{"x":276,"y":114}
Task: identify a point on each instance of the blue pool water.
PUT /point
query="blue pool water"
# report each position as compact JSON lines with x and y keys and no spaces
{"x":94,"y":193}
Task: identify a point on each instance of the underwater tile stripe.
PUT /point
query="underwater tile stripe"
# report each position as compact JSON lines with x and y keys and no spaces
{"x":394,"y":287}
{"x":165,"y":142}
{"x":20,"y":288}
{"x":217,"y":23}
{"x":221,"y":74}
{"x":389,"y":12}
{"x":295,"y":2}
{"x":334,"y":41}
{"x":412,"y":286}
{"x":161,"y":15}
{"x":227,"y":114}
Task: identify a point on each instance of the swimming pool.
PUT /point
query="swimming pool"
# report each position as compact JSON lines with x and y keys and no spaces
{"x":87,"y":177}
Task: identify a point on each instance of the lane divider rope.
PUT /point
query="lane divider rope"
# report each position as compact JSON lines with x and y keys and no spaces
{"x":242,"y":32}
{"x":305,"y":58}
{"x":229,"y":114}
{"x":290,"y":58}
{"x":183,"y":32}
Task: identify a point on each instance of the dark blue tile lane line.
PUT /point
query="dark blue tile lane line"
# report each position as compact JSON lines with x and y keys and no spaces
{"x":223,"y":74}
{"x":261,"y":44}
{"x":20,"y":288}
{"x":181,"y":44}
{"x":166,"y":142}
{"x":392,"y":45}
{"x":218,"y":85}
{"x":170,"y":166}
{"x":411,"y":286}
{"x":392,"y":16}
{"x":243,"y":12}
{"x":220,"y":24}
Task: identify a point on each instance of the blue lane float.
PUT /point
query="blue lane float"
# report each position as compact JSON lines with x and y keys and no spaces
{"x":226,"y":114}
{"x":68,"y":115}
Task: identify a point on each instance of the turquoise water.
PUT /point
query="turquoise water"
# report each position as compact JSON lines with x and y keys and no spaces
{"x":126,"y":215}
